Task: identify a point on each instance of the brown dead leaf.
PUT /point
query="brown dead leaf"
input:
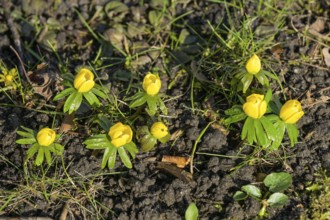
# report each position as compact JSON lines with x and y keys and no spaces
{"x":277,"y":50}
{"x":41,"y":80}
{"x":175,"y":171}
{"x":67,"y":123}
{"x":326,"y":56}
{"x":180,"y":162}
{"x":318,"y":26}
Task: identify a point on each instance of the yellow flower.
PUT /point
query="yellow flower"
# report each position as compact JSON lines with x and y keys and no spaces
{"x":291,"y":112}
{"x":151,"y":84}
{"x":255,"y":106}
{"x":253,"y":65}
{"x":46,"y":137}
{"x":120,"y":134}
{"x":8,"y":77}
{"x":159,"y":130}
{"x":84,"y":80}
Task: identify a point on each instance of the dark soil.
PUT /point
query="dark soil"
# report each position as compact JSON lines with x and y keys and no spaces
{"x":149,"y":191}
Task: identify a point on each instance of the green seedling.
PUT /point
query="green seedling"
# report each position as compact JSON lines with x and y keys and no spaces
{"x":274,"y":197}
{"x":118,"y":140}
{"x":83,"y":87}
{"x":191,"y":212}
{"x":42,"y":143}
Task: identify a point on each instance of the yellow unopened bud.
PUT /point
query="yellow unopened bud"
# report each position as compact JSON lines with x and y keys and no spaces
{"x":46,"y":137}
{"x":151,"y":84}
{"x":255,"y":106}
{"x":120,"y":134}
{"x":8,"y":79}
{"x":84,"y":80}
{"x":159,"y":130}
{"x":253,"y":65}
{"x":291,"y":112}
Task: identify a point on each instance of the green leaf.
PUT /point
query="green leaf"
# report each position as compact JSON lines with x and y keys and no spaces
{"x":28,"y":130}
{"x":293,"y":133}
{"x":148,"y":142}
{"x":248,"y":125}
{"x":191,"y":212}
{"x":268,"y":95}
{"x":235,"y":110}
{"x":252,"y":190}
{"x":112,"y":158}
{"x":269,"y":74}
{"x":124,"y":157}
{"x":25,"y":134}
{"x":32,"y":150}
{"x":92,"y":99}
{"x":235,"y":118}
{"x":260,"y":133}
{"x":48,"y":156}
{"x":262,"y":79}
{"x":64,"y":93}
{"x":99,"y":138}
{"x":152,"y":105}
{"x":269,"y":128}
{"x":40,"y":156}
{"x":280,"y":128}
{"x":246,"y":80}
{"x":26,"y":141}
{"x":277,"y":199}
{"x":99,"y":93}
{"x":73,"y":102}
{"x":139,"y":101}
{"x":162,"y":106}
{"x":277,"y":182}
{"x":58,"y":149}
{"x":104,"y":122}
{"x":239,"y":195}
{"x":131,"y":148}
{"x":105,"y":157}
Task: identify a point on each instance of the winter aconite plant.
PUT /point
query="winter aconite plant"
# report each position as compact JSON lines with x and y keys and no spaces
{"x":150,"y":95}
{"x":83,"y":86}
{"x":42,"y":143}
{"x":289,"y":114}
{"x":118,"y":139}
{"x":148,"y":139}
{"x":266,"y":130}
{"x":253,"y":70}
{"x":257,"y":127}
{"x":276,"y":184}
{"x":9,"y":77}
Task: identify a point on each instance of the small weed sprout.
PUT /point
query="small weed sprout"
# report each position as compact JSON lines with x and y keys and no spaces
{"x":42,"y":143}
{"x":118,"y":139}
{"x":83,"y":86}
{"x":151,"y":86}
{"x":148,"y":139}
{"x":274,"y":197}
{"x":191,"y":212}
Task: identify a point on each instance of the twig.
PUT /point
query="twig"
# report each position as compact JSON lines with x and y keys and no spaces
{"x":16,"y":37}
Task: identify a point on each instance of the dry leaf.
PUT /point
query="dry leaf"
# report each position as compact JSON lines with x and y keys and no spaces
{"x":326,"y":55}
{"x":175,"y":171}
{"x":180,"y":162}
{"x":277,"y":50}
{"x":67,"y":123}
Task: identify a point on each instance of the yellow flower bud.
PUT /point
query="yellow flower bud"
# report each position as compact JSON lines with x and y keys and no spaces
{"x":159,"y":130}
{"x":253,"y":65}
{"x":84,"y":80}
{"x":255,"y":106}
{"x":120,"y":134}
{"x":151,"y":84}
{"x":46,"y":137}
{"x":291,"y":112}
